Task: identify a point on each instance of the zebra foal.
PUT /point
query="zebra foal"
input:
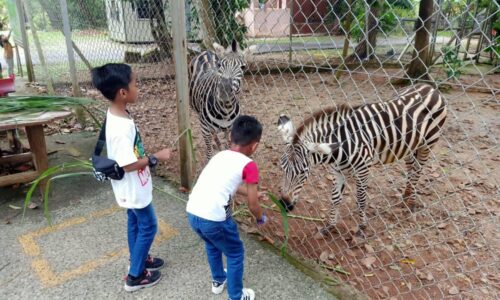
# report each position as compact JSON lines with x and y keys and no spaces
{"x":351,"y":140}
{"x":214,"y":86}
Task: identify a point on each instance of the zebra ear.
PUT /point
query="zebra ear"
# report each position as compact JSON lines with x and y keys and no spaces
{"x":234,"y":46}
{"x":219,"y":50}
{"x":322,"y":148}
{"x":285,"y":126}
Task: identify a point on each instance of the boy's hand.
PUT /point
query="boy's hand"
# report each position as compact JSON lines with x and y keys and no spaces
{"x":262,"y":220}
{"x":163,"y":155}
{"x":263,"y":196}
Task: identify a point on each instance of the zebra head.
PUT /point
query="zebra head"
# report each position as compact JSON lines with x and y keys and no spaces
{"x":296,"y":161}
{"x":231,"y":67}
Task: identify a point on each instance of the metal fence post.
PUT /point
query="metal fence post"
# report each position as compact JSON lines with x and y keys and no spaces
{"x":69,"y":47}
{"x":181,"y":83}
{"x":25,"y":41}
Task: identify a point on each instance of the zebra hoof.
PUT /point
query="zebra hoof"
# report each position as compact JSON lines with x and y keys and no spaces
{"x":329,"y":229}
{"x":288,"y":206}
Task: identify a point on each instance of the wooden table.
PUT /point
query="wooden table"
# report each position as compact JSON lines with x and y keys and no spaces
{"x":33,"y":123}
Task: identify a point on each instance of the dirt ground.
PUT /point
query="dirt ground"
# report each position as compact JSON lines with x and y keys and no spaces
{"x":447,"y":249}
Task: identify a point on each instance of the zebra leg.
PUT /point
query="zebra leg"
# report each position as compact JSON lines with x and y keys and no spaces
{"x":207,"y":137}
{"x":414,"y":165}
{"x":226,"y":136}
{"x":217,"y":141}
{"x":361,"y":184}
{"x":338,"y":189}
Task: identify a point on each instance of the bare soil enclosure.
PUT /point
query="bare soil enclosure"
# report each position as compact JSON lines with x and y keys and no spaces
{"x":448,"y":248}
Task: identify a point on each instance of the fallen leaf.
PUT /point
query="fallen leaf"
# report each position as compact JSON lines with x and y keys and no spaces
{"x":385,"y":289}
{"x":395,"y":267}
{"x":329,"y":177}
{"x":408,"y":261}
{"x":350,"y":253}
{"x":435,"y":174}
{"x":453,"y":291}
{"x":368,"y":261}
{"x":14,"y":207}
{"x":369,"y":275}
{"x":324,"y":256}
{"x":442,"y":226}
{"x":369,"y":248}
{"x":73,"y":151}
{"x":32,"y":205}
{"x":424,"y":276}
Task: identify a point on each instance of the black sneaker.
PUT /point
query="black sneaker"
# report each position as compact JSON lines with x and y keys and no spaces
{"x":154,"y":263}
{"x":147,"y":279}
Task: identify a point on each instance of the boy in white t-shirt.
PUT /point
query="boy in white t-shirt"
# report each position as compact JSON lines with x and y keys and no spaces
{"x":209,"y":206}
{"x":134,"y":192}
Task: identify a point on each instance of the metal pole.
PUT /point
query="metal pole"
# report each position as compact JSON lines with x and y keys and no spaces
{"x":26,"y":45}
{"x":182,"y":87}
{"x":69,"y":47}
{"x":50,"y":82}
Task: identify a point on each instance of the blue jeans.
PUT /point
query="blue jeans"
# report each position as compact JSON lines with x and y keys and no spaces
{"x":222,"y":237}
{"x":141,"y":231}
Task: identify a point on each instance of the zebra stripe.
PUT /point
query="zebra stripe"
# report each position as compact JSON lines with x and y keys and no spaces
{"x":215,"y":83}
{"x":351,"y":140}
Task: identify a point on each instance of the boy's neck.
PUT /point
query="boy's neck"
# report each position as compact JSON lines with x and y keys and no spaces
{"x":119,"y":108}
{"x":246,"y":150}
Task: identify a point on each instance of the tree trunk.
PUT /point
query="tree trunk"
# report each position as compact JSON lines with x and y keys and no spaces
{"x":418,"y":68}
{"x":207,"y":26}
{"x":159,"y":28}
{"x":366,"y":48}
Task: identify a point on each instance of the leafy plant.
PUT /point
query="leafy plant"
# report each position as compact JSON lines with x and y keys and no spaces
{"x":226,"y":26}
{"x":284,"y":217}
{"x":495,"y":43}
{"x":452,"y":64}
{"x":31,"y":104}
{"x":53,"y":173}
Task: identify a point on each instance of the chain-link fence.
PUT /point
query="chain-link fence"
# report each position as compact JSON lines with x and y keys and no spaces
{"x":309,"y":55}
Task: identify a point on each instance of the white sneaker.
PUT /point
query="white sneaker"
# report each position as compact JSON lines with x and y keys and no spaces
{"x":218,"y":287}
{"x":248,"y":294}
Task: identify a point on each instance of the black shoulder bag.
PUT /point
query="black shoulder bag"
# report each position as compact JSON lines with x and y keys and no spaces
{"x":105,"y":168}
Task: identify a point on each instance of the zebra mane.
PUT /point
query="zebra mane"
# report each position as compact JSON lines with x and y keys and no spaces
{"x":335,"y":112}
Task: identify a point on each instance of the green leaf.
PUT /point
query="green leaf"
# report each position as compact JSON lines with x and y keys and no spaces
{"x":284,"y":216}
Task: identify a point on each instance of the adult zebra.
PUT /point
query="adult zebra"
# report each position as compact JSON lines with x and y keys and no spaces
{"x":214,"y":87}
{"x":353,"y":139}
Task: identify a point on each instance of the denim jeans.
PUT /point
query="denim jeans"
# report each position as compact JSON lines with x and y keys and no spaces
{"x":141,"y":231}
{"x":222,"y":237}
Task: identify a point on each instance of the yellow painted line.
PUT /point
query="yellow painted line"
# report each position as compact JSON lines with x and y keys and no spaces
{"x":42,"y":267}
{"x":58,"y":227}
{"x":106,"y":212}
{"x":29,"y":245}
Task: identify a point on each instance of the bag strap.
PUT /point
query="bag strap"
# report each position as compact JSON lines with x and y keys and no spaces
{"x":101,"y":141}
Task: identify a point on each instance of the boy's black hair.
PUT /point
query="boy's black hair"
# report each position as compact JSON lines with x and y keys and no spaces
{"x":246,"y":130}
{"x":110,"y":78}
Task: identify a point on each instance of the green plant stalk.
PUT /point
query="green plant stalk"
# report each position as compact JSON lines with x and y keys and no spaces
{"x":336,"y":269}
{"x":285,"y":222}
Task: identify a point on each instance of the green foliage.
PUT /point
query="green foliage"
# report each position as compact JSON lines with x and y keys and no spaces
{"x":31,"y":104}
{"x":389,"y":17}
{"x":452,"y":64}
{"x":88,"y":14}
{"x":226,"y":27}
{"x":495,"y":44}
{"x":284,"y":217}
{"x":4,"y":16}
{"x":64,"y":170}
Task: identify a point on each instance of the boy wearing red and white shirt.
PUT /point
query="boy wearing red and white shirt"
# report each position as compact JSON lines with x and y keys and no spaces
{"x":209,"y":206}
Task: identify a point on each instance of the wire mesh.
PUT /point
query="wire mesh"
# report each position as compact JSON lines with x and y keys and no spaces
{"x":308,"y":55}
